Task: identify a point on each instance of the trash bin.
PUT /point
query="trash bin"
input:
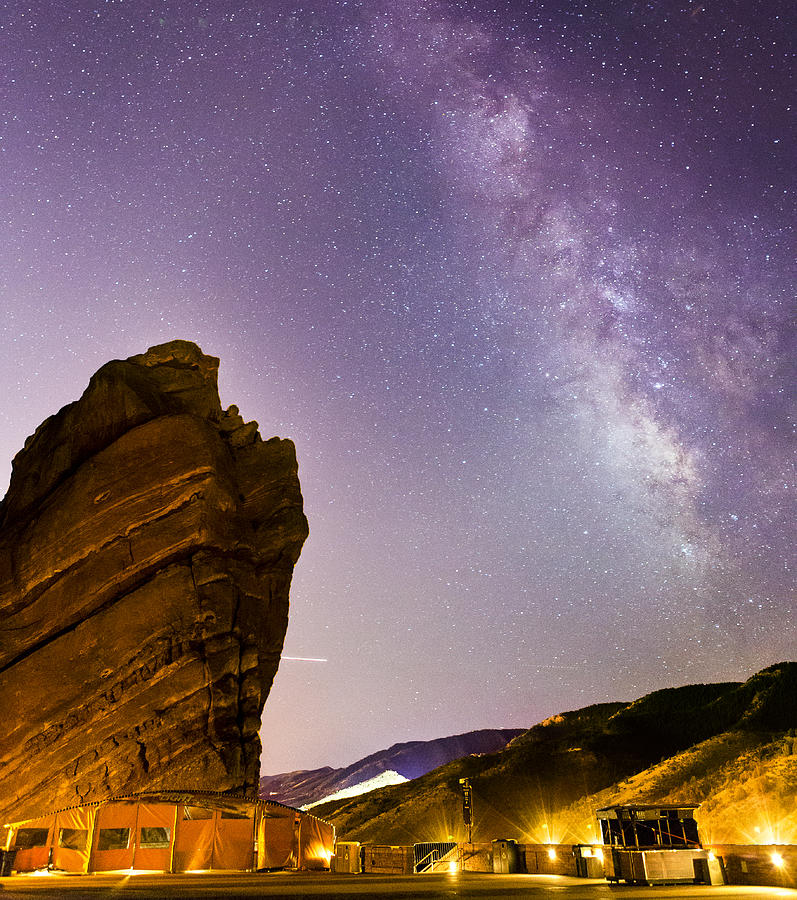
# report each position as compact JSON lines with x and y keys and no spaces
{"x":7,"y":862}
{"x":505,"y":856}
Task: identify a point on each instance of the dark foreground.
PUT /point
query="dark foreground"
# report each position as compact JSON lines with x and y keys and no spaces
{"x":364,"y":887}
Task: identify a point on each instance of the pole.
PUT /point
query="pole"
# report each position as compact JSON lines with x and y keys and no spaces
{"x":467,"y":806}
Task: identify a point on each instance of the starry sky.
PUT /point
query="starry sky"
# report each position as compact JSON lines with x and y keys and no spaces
{"x":515,"y":276}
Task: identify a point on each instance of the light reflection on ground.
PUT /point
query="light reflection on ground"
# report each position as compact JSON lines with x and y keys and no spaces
{"x":467,"y":886}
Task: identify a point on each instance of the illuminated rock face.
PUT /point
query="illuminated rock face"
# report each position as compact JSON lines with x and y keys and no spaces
{"x":147,"y":544}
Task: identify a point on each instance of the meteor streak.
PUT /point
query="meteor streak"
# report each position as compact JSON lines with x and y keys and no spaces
{"x":305,"y":658}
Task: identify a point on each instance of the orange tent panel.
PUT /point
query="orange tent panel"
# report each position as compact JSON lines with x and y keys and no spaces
{"x":316,"y":843}
{"x":33,"y":840}
{"x":193,"y":846}
{"x":113,"y":846}
{"x":72,"y":839}
{"x":234,"y":840}
{"x":277,"y":840}
{"x":154,"y":835}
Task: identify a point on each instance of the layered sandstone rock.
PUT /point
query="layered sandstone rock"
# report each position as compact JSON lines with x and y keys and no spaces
{"x":147,"y":544}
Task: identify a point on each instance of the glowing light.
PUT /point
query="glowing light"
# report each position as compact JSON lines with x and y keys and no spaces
{"x":550,"y":832}
{"x":598,"y":853}
{"x":452,"y":867}
{"x":772,"y":830}
{"x":763,"y":819}
{"x":551,"y":853}
{"x":777,"y":860}
{"x":711,"y":856}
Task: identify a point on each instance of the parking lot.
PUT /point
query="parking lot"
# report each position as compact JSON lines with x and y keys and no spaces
{"x":469,"y":886}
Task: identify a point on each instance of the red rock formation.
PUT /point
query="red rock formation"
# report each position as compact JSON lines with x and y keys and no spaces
{"x":147,"y":544}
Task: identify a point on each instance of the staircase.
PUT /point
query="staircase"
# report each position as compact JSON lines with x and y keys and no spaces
{"x":437,"y":856}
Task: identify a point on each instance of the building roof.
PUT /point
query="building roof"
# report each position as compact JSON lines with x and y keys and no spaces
{"x":215,"y":799}
{"x":646,"y":807}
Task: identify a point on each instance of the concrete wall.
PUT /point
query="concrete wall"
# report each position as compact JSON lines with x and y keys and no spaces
{"x":385,"y":860}
{"x":745,"y":864}
{"x":476,"y":857}
{"x":752,"y":864}
{"x":536,"y":859}
{"x":533,"y":859}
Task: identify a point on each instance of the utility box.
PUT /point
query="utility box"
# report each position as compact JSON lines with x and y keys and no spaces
{"x":347,"y":858}
{"x":709,"y":870}
{"x":589,"y":861}
{"x":505,"y":857}
{"x":7,"y":862}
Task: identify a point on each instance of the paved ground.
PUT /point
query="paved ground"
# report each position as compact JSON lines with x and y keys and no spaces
{"x":467,"y":886}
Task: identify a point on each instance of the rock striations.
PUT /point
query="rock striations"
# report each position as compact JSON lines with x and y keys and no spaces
{"x":147,"y":544}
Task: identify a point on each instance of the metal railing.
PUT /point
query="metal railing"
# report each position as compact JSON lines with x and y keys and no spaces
{"x":441,"y":854}
{"x":423,"y":866}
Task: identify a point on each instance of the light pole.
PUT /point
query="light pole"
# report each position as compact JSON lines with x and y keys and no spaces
{"x":467,"y":806}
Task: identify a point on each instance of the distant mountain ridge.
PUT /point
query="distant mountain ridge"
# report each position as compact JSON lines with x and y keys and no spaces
{"x":411,"y":759}
{"x":731,"y":747}
{"x":379,"y":781}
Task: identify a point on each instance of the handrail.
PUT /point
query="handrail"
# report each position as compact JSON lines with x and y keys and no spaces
{"x":433,"y":852}
{"x":454,"y":852}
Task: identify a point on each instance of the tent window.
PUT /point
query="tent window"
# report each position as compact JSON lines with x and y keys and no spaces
{"x":113,"y":839}
{"x":197,"y":812}
{"x":73,"y":838}
{"x":235,"y":815}
{"x":155,"y":837}
{"x":31,"y":837}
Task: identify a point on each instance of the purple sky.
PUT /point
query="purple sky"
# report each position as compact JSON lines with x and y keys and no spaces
{"x":514,"y":276}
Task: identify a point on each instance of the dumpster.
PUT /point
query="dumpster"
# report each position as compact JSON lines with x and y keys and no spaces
{"x":505,"y":856}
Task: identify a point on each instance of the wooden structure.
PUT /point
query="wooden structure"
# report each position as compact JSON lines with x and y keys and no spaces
{"x":651,"y":844}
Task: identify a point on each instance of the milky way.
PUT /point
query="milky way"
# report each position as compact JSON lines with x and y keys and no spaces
{"x":516,"y":279}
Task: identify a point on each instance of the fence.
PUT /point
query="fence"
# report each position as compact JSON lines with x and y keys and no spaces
{"x":743,"y":864}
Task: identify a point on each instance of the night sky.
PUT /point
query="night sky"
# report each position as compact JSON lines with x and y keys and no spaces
{"x":516,"y":277}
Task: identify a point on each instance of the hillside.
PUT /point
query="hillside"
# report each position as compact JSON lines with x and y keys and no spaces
{"x":411,"y":760}
{"x":729,"y":746}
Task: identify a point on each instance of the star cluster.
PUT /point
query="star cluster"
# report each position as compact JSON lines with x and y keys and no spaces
{"x":516,"y":278}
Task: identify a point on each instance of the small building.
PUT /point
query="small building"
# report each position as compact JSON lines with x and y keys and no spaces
{"x":170,"y":831}
{"x":651,"y":844}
